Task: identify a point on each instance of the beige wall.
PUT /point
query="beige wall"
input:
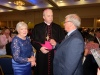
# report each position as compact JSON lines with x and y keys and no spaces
{"x":88,"y":14}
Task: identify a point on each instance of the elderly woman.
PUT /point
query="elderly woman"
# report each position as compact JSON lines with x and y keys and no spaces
{"x":22,"y":51}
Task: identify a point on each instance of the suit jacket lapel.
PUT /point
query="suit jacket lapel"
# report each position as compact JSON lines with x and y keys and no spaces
{"x":66,"y":38}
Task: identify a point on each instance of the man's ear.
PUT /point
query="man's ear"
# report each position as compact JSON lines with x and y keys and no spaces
{"x":43,"y":17}
{"x":71,"y":24}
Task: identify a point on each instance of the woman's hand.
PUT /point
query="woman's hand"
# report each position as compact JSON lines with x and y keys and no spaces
{"x":32,"y":61}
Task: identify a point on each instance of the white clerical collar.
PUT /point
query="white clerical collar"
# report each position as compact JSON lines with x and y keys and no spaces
{"x":47,"y":23}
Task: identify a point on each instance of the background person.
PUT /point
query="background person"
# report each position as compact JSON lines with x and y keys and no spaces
{"x":90,"y":66}
{"x":4,"y":40}
{"x":8,"y":45}
{"x":97,"y":36}
{"x":22,"y":51}
{"x":41,"y":34}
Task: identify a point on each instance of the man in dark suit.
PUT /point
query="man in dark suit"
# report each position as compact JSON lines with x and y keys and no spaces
{"x":97,"y":36}
{"x":41,"y":34}
{"x":68,"y":57}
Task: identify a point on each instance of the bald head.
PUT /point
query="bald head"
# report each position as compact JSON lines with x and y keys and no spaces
{"x":48,"y":16}
{"x":47,"y":11}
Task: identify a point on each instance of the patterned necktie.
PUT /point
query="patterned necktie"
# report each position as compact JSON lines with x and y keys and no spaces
{"x":66,"y":36}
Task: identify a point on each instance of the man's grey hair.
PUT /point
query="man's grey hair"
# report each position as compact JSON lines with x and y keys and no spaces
{"x":75,"y":19}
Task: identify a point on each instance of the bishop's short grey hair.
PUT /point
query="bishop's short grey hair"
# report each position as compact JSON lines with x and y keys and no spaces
{"x":21,"y":24}
{"x":74,"y":18}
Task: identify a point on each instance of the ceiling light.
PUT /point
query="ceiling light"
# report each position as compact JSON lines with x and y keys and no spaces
{"x":19,"y":3}
{"x":9,"y":2}
{"x":99,"y":20}
{"x":61,"y":1}
{"x":10,"y":10}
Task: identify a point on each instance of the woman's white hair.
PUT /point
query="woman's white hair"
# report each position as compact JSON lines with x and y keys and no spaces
{"x":75,"y":19}
{"x":21,"y":24}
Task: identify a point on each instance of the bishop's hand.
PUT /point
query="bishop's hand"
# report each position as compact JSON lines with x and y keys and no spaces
{"x":44,"y":50}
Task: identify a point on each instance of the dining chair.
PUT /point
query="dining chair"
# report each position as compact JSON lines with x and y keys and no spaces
{"x":6,"y":64}
{"x":1,"y":72}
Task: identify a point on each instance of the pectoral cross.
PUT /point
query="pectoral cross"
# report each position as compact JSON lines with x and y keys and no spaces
{"x":47,"y":37}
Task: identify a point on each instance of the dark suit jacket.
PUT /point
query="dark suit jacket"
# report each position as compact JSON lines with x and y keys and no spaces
{"x":68,"y":57}
{"x":96,"y":41}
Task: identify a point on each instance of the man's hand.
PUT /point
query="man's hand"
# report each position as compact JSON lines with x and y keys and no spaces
{"x":44,"y":50}
{"x":53,"y":42}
